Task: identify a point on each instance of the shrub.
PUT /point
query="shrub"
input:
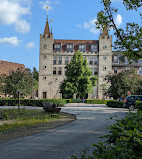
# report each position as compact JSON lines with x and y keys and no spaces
{"x":75,"y":100}
{"x":115,"y":104}
{"x":96,"y":101}
{"x":139,"y":105}
{"x":50,"y":107}
{"x":32,"y":102}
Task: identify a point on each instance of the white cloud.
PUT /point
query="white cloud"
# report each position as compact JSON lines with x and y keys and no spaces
{"x":11,"y":12}
{"x":48,"y":3}
{"x":22,"y":26}
{"x":30,"y":45}
{"x":91,"y":26}
{"x":118,"y":20}
{"x":10,"y":40}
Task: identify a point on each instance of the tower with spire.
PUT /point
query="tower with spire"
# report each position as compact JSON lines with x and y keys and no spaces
{"x":45,"y":63}
{"x":105,"y":61}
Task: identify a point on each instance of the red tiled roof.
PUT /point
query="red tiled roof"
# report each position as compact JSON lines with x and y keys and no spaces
{"x":76,"y":42}
{"x":6,"y":67}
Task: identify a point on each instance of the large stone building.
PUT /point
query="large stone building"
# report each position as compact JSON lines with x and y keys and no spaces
{"x":56,"y":53}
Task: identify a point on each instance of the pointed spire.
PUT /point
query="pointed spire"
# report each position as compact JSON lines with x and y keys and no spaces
{"x":47,"y":30}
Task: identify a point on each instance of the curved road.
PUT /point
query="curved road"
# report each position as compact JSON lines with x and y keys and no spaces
{"x":60,"y":143}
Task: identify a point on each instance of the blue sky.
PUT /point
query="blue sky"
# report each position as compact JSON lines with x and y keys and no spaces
{"x":22,"y":22}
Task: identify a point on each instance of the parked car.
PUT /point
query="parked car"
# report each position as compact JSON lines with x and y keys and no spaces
{"x":130,"y":101}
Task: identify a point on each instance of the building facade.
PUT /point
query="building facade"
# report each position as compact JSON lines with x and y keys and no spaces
{"x":56,"y":53}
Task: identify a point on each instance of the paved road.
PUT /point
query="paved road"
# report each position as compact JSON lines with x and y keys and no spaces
{"x":62,"y":142}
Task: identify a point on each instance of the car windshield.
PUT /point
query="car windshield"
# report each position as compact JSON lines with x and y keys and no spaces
{"x":130,"y":98}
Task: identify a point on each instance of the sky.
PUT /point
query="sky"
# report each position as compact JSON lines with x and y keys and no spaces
{"x":22,"y":22}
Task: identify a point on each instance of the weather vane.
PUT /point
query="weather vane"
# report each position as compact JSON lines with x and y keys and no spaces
{"x":47,"y":9}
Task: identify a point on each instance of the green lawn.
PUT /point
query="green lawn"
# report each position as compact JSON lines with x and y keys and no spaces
{"x":24,"y":118}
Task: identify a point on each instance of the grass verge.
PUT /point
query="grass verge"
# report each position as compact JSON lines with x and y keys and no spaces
{"x":24,"y":118}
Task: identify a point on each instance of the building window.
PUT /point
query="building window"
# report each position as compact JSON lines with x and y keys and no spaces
{"x":69,"y":47}
{"x":54,"y":60}
{"x":126,"y":60}
{"x":82,"y":47}
{"x":44,"y":78}
{"x":95,"y":71}
{"x":59,"y":70}
{"x":115,"y":70}
{"x":66,"y":60}
{"x":44,"y":95}
{"x":140,"y":70}
{"x":44,"y":67}
{"x":45,"y":46}
{"x":127,"y":68}
{"x":90,"y":60}
{"x":60,"y":60}
{"x":57,"y":47}
{"x":104,"y":47}
{"x":54,"y":70}
{"x":115,"y":59}
{"x":104,"y":68}
{"x":105,"y":57}
{"x":93,"y":48}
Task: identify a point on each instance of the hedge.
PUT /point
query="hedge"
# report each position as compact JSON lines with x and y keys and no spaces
{"x":138,"y":105}
{"x":96,"y":101}
{"x":115,"y":104}
{"x":32,"y":102}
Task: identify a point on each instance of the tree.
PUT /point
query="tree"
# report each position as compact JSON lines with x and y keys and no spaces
{"x":18,"y":81}
{"x":79,"y":78}
{"x":35,"y":74}
{"x":128,"y":40}
{"x":123,"y":82}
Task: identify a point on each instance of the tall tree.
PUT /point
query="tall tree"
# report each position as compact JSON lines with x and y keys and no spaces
{"x":128,"y":40}
{"x":18,"y":81}
{"x":79,"y":77}
{"x":124,"y":82}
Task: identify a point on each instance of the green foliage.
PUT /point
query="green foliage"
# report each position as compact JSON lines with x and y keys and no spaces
{"x":79,"y":78}
{"x":24,"y":118}
{"x":123,"y":82}
{"x":129,"y":39}
{"x":50,"y":107}
{"x":35,"y":74}
{"x":138,"y":105}
{"x":32,"y":102}
{"x":96,"y":101}
{"x":19,"y":80}
{"x":123,"y":141}
{"x":115,"y":104}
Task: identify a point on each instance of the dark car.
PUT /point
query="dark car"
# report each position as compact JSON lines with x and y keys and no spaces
{"x":129,"y":101}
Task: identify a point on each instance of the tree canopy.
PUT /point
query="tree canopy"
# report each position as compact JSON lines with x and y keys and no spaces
{"x":78,"y":79}
{"x":17,"y":81}
{"x":124,"y":82}
{"x":129,"y":40}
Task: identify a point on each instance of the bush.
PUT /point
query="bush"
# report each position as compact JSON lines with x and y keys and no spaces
{"x":50,"y":107}
{"x":32,"y":102}
{"x":96,"y":101}
{"x":139,"y":105}
{"x":115,"y":104}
